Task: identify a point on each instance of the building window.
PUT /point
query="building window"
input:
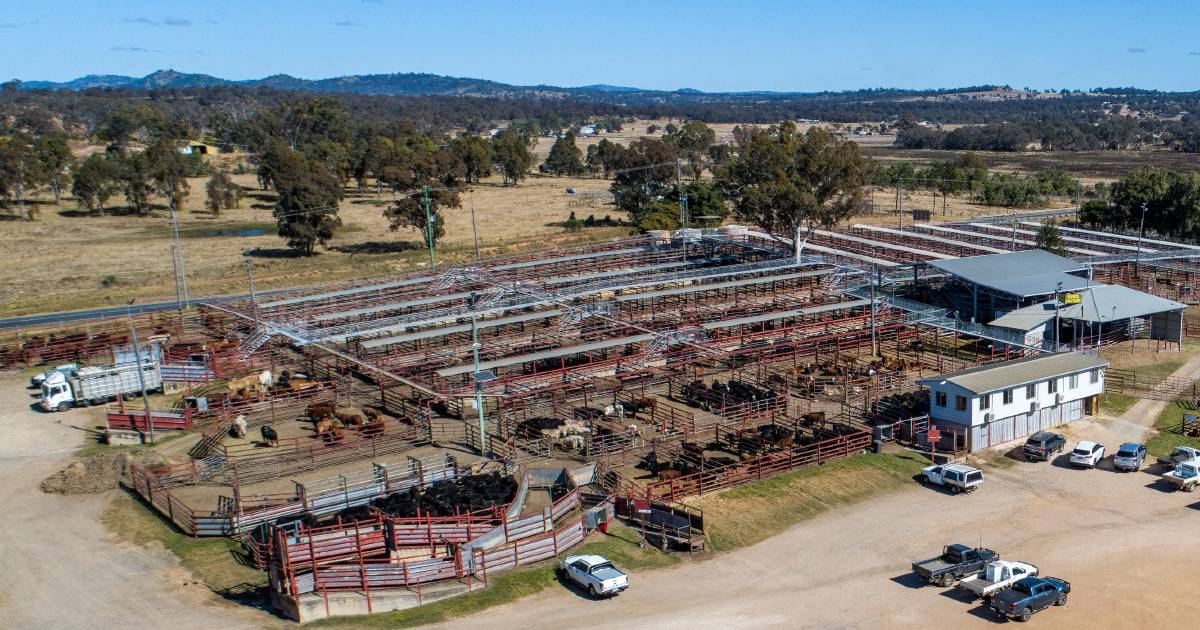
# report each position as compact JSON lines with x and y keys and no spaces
{"x":941,"y":399}
{"x":1094,"y":376}
{"x":985,"y":402}
{"x":1031,"y":391}
{"x":1008,"y":396}
{"x":1073,"y":381}
{"x":960,"y":403}
{"x":1052,"y":385}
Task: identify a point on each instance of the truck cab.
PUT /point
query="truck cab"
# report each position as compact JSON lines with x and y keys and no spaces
{"x":57,"y":394}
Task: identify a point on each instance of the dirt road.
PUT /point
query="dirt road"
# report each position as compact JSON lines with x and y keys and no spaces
{"x":61,"y":569}
{"x":1127,"y":546}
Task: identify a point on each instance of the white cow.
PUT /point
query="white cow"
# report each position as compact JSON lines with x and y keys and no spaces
{"x":239,"y":426}
{"x":264,"y":379}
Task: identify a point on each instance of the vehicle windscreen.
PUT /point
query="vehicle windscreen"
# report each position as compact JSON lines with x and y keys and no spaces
{"x":600,"y":567}
{"x":1186,"y":472}
{"x":1123,"y":453}
{"x":1020,"y":587}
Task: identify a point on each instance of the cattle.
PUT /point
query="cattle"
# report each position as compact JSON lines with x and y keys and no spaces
{"x":373,"y":414}
{"x":667,"y":475}
{"x":318,"y":410}
{"x":324,"y":425}
{"x":269,"y":435}
{"x":238,"y":428}
{"x":349,"y":416}
{"x":571,"y":443}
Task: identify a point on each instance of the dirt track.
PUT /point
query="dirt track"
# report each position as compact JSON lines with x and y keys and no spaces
{"x":1127,"y":546}
{"x":60,"y":567}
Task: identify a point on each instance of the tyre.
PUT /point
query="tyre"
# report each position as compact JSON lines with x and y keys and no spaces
{"x":1191,"y":487}
{"x":1062,"y":600}
{"x":592,"y":590}
{"x":1025,"y":614}
{"x":129,"y":396}
{"x":946,"y":580}
{"x":63,"y":406}
{"x":923,"y":480}
{"x":955,"y":490}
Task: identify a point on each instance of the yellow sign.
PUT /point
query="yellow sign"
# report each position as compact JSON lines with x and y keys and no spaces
{"x":1072,"y":298}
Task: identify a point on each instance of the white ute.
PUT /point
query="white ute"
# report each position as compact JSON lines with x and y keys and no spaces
{"x":596,"y":574}
{"x":957,"y":477}
{"x":996,"y":576}
{"x":1185,"y":476}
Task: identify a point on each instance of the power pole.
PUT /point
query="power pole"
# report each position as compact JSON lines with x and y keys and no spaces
{"x":137,"y":356}
{"x":253,"y":298}
{"x":474,"y":228}
{"x":475,"y":345}
{"x":181,"y":289}
{"x":683,"y":213}
{"x":1141,"y":235}
{"x":429,"y":227}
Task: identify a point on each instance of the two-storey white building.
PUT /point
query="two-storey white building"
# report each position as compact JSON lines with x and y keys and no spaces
{"x":1000,"y":402}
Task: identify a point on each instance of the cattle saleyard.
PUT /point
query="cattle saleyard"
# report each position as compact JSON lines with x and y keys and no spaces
{"x":336,"y":432}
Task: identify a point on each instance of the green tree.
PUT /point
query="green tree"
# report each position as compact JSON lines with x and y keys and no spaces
{"x":1049,"y":238}
{"x":565,"y":158}
{"x":475,"y":153}
{"x":705,"y":199}
{"x":137,"y":181}
{"x":510,"y":150}
{"x":306,"y":213}
{"x":790,"y":183}
{"x":572,"y":224}
{"x":1147,"y":185}
{"x":97,"y":179}
{"x":55,"y":160}
{"x":223,"y":194}
{"x":692,"y":141}
{"x":644,"y":175}
{"x":168,"y":170}
{"x":19,"y":171}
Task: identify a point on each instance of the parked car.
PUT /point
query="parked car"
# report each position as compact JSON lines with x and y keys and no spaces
{"x":1130,"y":456}
{"x":1178,"y":456}
{"x":1185,"y":476}
{"x":1087,"y":454}
{"x":1029,"y":595}
{"x":1043,"y":444}
{"x":957,"y":477}
{"x":996,"y":576}
{"x":596,"y":574}
{"x":955,"y":562}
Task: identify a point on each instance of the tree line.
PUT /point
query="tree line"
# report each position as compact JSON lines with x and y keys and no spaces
{"x":1168,"y":201}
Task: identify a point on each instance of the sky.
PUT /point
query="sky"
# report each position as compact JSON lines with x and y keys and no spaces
{"x":701,"y":44}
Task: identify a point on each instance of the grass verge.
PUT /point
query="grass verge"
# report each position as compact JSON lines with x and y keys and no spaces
{"x":213,"y":561}
{"x":620,"y":546}
{"x":1167,"y":435}
{"x":1117,"y":404}
{"x":752,"y":513}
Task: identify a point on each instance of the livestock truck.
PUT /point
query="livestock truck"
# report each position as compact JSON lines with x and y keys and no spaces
{"x":98,"y":384}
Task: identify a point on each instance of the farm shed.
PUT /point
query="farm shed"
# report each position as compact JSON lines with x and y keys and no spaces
{"x":1101,"y":312}
{"x":1003,"y":282}
{"x":1000,"y":402}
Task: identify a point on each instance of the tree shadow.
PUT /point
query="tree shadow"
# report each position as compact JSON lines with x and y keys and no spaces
{"x":262,"y":206}
{"x":377,"y":247}
{"x":275,"y":252}
{"x":368,"y":201}
{"x":108,"y":212}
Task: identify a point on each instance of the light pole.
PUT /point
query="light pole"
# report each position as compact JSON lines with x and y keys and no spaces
{"x":474,"y":229}
{"x":1141,"y":235}
{"x":137,"y":356}
{"x":428,"y":227}
{"x":1057,"y":329}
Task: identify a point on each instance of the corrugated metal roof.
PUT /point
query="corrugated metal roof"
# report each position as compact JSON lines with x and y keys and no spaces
{"x":544,"y":354}
{"x":1024,"y":273}
{"x":1099,"y":303}
{"x":729,"y":284}
{"x":345,"y":292}
{"x":927,"y":237}
{"x":572,"y":258}
{"x":766,"y":317}
{"x":882,"y":244}
{"x":449,"y":330}
{"x":994,"y":377}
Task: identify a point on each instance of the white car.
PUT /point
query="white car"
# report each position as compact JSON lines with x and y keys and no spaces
{"x":957,"y":477}
{"x":596,"y":574}
{"x":1087,"y":454}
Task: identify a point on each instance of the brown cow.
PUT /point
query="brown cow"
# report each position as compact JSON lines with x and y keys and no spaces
{"x":317,"y":410}
{"x":373,"y":414}
{"x":667,"y":475}
{"x":350,"y":416}
{"x":324,"y":425}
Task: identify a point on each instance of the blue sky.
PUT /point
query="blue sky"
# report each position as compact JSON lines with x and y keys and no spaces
{"x":713,"y":46}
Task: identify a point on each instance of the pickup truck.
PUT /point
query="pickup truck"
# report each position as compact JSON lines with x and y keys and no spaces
{"x":1185,"y":476}
{"x":1179,"y":455}
{"x":957,"y":477}
{"x":1029,"y":595}
{"x":955,"y":562}
{"x":596,"y":574}
{"x":996,"y":576}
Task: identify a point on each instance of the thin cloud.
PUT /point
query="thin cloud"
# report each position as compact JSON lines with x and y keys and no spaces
{"x":128,"y":49}
{"x":347,"y":23}
{"x":174,"y":21}
{"x":1195,"y":53}
{"x":371,"y":1}
{"x":10,"y":25}
{"x":1136,"y":51}
{"x":141,"y":20}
